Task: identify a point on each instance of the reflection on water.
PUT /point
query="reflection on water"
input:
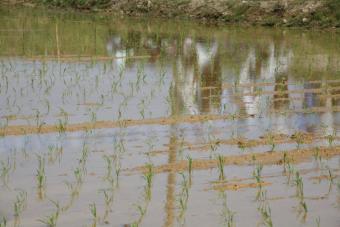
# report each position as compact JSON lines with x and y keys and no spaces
{"x":254,"y":72}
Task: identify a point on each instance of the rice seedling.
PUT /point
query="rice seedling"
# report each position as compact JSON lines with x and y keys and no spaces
{"x":228,"y":216}
{"x":108,"y":198}
{"x":73,"y":188}
{"x":331,"y":138}
{"x":117,"y":170}
{"x":54,"y":153}
{"x":285,"y":161}
{"x":93,"y":117}
{"x":298,"y":138}
{"x":51,"y":220}
{"x":3,"y":222}
{"x":61,"y":126}
{"x":142,"y":211}
{"x":5,"y":170}
{"x":93,"y":210}
{"x":148,"y":176}
{"x":142,"y":108}
{"x":189,"y":166}
{"x":183,"y":198}
{"x":257,"y":174}
{"x":79,"y":175}
{"x":109,"y":162}
{"x":220,"y":164}
{"x":266,"y":215}
{"x":271,"y":142}
{"x":20,"y":203}
{"x":317,"y":156}
{"x":41,"y":176}
{"x":331,"y":177}
{"x":318,"y":221}
{"x":83,"y":159}
{"x":291,"y":171}
{"x":299,"y":185}
{"x":241,"y":145}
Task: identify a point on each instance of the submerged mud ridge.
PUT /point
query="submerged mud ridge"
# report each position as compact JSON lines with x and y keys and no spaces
{"x":268,"y":158}
{"x":26,"y":129}
{"x":235,"y":186}
{"x":85,"y":126}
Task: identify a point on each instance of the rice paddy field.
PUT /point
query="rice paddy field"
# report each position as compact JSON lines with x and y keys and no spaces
{"x":108,"y":121}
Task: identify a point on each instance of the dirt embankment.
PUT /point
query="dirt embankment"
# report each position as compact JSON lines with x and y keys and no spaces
{"x":297,"y":13}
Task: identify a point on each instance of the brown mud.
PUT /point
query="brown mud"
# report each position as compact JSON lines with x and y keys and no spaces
{"x":268,"y":158}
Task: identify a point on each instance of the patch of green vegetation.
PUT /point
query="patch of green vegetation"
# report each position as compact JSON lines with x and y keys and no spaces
{"x":270,"y":21}
{"x":328,"y":15}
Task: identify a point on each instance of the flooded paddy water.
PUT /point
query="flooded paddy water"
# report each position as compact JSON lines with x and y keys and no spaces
{"x":144,"y":122}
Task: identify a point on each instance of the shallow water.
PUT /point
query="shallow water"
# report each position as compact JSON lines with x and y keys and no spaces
{"x":76,"y":88}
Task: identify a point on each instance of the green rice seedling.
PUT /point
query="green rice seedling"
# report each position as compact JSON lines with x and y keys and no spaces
{"x":303,"y":206}
{"x":3,"y":125}
{"x":79,"y":175}
{"x":73,"y":188}
{"x":117,"y":169}
{"x":189,"y":165}
{"x":93,"y":210}
{"x":285,"y":161}
{"x":318,"y":221}
{"x":41,"y":176}
{"x":257,"y":174}
{"x":299,"y":185}
{"x":214,"y":145}
{"x":108,"y":197}
{"x":3,"y":222}
{"x":51,"y":220}
{"x":331,"y":177}
{"x":54,"y":153}
{"x":20,"y":203}
{"x":317,"y":156}
{"x":220,"y":164}
{"x":148,"y":176}
{"x":230,"y":222}
{"x":302,"y":209}
{"x":266,"y":215}
{"x":142,"y":108}
{"x":298,"y":138}
{"x":183,"y":198}
{"x":141,"y":210}
{"x":109,"y":162}
{"x":84,"y":156}
{"x":291,"y":171}
{"x":242,"y":145}
{"x":13,"y":158}
{"x":271,"y":141}
{"x":93,"y":117}
{"x":227,"y":214}
{"x":41,"y":124}
{"x":5,"y":170}
{"x":61,"y":126}
{"x":330,"y":138}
